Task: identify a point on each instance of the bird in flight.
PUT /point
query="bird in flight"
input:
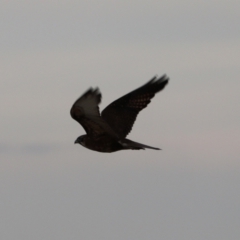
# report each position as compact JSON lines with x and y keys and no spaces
{"x":107,"y":132}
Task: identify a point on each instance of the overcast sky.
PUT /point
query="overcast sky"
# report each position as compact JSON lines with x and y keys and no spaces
{"x":53,"y":51}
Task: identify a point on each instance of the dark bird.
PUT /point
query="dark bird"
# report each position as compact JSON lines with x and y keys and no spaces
{"x":107,"y":132}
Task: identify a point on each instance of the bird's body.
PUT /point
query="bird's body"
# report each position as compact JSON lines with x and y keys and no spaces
{"x":108,"y":144}
{"x":107,"y":132}
{"x":101,"y":144}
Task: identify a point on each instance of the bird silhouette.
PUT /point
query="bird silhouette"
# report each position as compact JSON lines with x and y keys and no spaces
{"x":107,"y":132}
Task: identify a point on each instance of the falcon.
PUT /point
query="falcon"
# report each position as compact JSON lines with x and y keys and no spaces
{"x":107,"y":132}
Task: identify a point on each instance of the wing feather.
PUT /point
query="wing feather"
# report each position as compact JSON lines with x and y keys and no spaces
{"x":86,"y":112}
{"x":122,"y":113}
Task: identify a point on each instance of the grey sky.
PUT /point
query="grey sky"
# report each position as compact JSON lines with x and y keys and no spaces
{"x":51,"y":52}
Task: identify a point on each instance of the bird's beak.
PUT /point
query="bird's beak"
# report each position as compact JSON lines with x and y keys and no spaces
{"x":75,"y":141}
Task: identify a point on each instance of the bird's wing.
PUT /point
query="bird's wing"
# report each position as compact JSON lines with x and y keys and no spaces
{"x":122,"y":113}
{"x":86,"y":111}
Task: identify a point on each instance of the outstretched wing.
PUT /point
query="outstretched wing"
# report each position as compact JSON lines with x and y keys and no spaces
{"x":86,"y":111}
{"x":122,"y":113}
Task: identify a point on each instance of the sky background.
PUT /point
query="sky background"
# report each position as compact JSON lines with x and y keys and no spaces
{"x":53,"y":51}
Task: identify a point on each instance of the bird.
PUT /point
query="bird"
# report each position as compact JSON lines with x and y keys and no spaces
{"x":107,"y":132}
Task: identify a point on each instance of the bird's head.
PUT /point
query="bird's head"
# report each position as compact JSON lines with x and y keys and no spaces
{"x":80,"y":140}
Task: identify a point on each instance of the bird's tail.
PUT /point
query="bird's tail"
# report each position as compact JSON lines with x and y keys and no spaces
{"x":129,"y":144}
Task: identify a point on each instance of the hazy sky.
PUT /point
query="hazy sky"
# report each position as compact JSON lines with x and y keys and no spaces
{"x":52,"y":51}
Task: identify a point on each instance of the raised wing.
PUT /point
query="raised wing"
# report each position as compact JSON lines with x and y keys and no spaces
{"x":86,"y":111}
{"x":122,"y":113}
